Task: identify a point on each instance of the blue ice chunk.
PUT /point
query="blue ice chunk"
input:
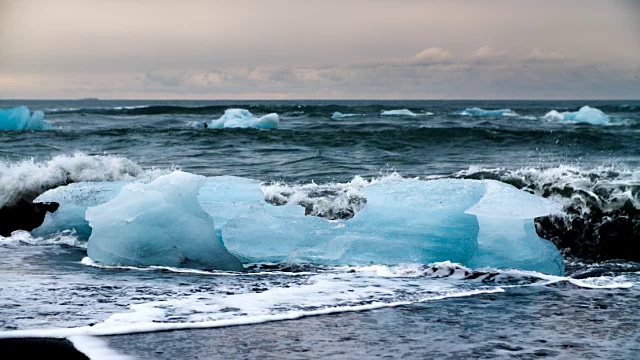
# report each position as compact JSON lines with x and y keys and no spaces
{"x":507,"y":237}
{"x":159,"y":223}
{"x":472,"y":222}
{"x":476,"y":111}
{"x":260,"y":235}
{"x":586,"y":114}
{"x":19,"y":118}
{"x":406,"y":221}
{"x":402,"y":112}
{"x":241,"y":118}
{"x":74,"y":199}
{"x":413,"y":221}
{"x":228,"y":197}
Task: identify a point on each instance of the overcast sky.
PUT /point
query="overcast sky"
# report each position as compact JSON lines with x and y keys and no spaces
{"x":353,"y":49}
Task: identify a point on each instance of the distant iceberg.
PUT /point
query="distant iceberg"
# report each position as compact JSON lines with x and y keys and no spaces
{"x":586,"y":115}
{"x":476,"y":111}
{"x":241,"y":118}
{"x":402,"y":112}
{"x":19,"y":118}
{"x":339,"y":115}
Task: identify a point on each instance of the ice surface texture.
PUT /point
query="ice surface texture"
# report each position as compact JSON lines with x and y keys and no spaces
{"x":241,"y":118}
{"x":159,"y":223}
{"x":586,"y":114}
{"x":478,"y":223}
{"x":19,"y":118}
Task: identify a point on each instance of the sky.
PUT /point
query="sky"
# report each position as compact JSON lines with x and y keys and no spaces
{"x":319,"y":49}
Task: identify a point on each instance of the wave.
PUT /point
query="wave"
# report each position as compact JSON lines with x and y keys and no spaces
{"x":21,"y":182}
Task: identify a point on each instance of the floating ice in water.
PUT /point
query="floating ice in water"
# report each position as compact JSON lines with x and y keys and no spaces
{"x":159,"y":223}
{"x":241,"y":118}
{"x":19,"y":118}
{"x":405,"y":112}
{"x":586,"y":114}
{"x":482,"y":112}
{"x":478,"y":223}
{"x":74,"y":199}
{"x":339,"y":115}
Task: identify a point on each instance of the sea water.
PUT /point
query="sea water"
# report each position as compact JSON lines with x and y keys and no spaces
{"x":318,"y":165}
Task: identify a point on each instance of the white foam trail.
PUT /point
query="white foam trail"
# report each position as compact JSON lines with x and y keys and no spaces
{"x":22,"y":237}
{"x":96,"y":349}
{"x":89,"y":262}
{"x":150,"y":326}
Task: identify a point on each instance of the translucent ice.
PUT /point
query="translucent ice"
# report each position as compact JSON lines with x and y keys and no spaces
{"x":241,"y":118}
{"x":412,"y":221}
{"x":482,"y":112}
{"x":159,"y":223}
{"x":476,"y":223}
{"x":74,"y":199}
{"x":19,"y":118}
{"x":507,"y":237}
{"x":405,"y":112}
{"x":586,"y":114}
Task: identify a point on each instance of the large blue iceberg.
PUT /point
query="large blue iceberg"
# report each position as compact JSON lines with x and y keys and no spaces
{"x":241,"y":118}
{"x":159,"y":223}
{"x":586,"y":115}
{"x":19,"y":118}
{"x":482,"y":112}
{"x":187,"y":220}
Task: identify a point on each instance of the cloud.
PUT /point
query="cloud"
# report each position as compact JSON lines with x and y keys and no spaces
{"x":538,"y":56}
{"x":431,"y":56}
{"x":488,"y":55}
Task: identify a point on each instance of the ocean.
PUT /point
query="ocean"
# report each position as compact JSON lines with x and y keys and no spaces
{"x":323,"y":155}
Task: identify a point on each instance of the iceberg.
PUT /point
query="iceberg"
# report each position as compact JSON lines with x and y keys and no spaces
{"x":402,"y":112}
{"x":241,"y":118}
{"x":339,"y":115}
{"x":182,"y":219}
{"x":586,"y":115}
{"x":159,"y":223}
{"x":74,"y":200}
{"x":476,"y":111}
{"x":19,"y":118}
{"x":478,"y":223}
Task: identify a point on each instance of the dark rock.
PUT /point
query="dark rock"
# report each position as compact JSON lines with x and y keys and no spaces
{"x":24,"y":215}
